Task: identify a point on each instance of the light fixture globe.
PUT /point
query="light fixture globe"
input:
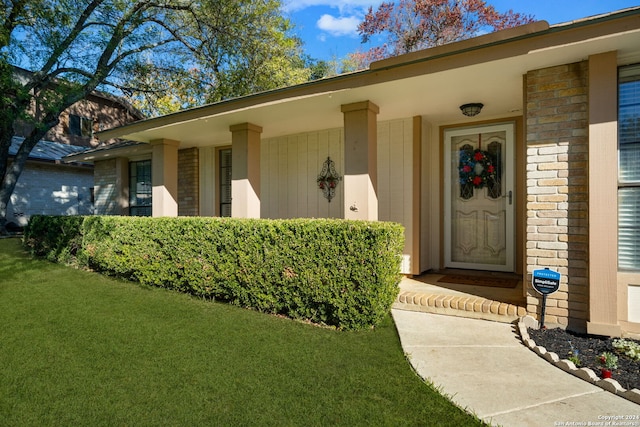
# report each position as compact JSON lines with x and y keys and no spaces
{"x":472,"y":109}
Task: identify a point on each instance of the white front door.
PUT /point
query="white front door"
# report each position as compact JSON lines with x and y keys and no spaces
{"x":479,"y":199}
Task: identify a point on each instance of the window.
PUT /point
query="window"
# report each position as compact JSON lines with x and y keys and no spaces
{"x":140,"y":188}
{"x":629,"y":168}
{"x":80,"y":126}
{"x":225,"y":182}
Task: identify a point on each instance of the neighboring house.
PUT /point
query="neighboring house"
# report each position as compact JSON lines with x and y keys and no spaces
{"x":49,"y":186}
{"x":532,"y":181}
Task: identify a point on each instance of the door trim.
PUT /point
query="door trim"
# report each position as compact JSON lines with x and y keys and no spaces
{"x":510,"y":185}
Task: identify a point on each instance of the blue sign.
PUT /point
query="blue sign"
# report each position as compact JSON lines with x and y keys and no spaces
{"x":546,"y":281}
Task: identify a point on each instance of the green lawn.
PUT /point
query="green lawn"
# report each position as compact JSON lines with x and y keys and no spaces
{"x":77,"y":348}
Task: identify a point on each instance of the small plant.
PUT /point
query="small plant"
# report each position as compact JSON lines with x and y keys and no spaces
{"x":628,"y":348}
{"x":574,"y":356}
{"x":575,"y":360}
{"x":608,"y":360}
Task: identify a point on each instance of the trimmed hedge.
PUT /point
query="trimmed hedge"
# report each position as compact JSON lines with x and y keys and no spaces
{"x":56,"y":238}
{"x":336,"y":272}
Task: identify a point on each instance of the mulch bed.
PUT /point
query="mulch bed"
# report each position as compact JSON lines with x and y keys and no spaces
{"x":589,"y":347}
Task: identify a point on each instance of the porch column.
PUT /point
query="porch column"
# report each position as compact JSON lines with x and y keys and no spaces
{"x":164,"y":177}
{"x":360,"y":161}
{"x":245,"y":170}
{"x":122,"y":186}
{"x":603,"y":201}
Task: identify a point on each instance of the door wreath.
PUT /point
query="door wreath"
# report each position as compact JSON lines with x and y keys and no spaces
{"x":476,"y":168}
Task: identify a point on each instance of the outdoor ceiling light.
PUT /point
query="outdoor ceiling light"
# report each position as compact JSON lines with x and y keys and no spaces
{"x":472,"y":109}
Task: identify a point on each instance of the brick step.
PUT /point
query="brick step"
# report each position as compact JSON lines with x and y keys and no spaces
{"x":459,"y":305}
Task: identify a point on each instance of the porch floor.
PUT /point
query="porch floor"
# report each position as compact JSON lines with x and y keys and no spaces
{"x":425,"y":294}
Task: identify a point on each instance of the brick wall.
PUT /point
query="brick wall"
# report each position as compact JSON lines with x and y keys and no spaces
{"x":557,"y":190}
{"x":188,"y":182}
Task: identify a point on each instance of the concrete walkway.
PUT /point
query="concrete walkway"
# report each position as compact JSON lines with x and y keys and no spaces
{"x":484,"y":367}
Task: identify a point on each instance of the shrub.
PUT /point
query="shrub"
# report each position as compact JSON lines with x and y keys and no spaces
{"x":56,"y":238}
{"x":628,"y":347}
{"x":337,"y":272}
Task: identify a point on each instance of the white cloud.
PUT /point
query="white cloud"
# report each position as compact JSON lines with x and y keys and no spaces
{"x":343,"y":26}
{"x":345,"y":6}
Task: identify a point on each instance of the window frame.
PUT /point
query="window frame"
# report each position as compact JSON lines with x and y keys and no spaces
{"x":83,"y":128}
{"x":136,"y":208}
{"x":628,"y":231}
{"x":222,"y":201}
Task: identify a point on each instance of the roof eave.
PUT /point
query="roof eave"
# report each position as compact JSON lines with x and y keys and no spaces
{"x":380,"y":72}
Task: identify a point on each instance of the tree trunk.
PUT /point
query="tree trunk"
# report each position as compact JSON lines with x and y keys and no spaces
{"x":16,"y":166}
{"x":9,"y":182}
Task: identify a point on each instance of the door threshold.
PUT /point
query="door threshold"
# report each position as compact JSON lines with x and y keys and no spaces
{"x":478,"y":273}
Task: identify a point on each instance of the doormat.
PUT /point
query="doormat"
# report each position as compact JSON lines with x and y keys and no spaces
{"x":494,"y":282}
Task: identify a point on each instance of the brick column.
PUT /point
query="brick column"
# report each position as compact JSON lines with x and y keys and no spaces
{"x":188,"y":182}
{"x":360,"y":161}
{"x":557,"y":192}
{"x":245,"y":170}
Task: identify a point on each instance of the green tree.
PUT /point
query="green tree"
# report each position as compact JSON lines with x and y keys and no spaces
{"x":176,"y":52}
{"x":244,"y":48}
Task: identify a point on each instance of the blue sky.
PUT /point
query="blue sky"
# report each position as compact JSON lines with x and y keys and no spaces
{"x":328,"y":27}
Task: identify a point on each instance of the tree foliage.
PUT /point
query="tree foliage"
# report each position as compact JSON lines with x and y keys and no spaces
{"x":177,"y":53}
{"x":236,"y":48}
{"x":410,"y":25}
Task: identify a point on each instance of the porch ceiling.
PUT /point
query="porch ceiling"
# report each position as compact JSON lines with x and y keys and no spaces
{"x":433,"y":88}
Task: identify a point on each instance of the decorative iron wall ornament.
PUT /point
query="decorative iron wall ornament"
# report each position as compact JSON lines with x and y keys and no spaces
{"x":328,"y":179}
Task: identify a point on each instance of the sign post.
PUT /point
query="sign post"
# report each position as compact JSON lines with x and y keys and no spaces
{"x":545,"y":282}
